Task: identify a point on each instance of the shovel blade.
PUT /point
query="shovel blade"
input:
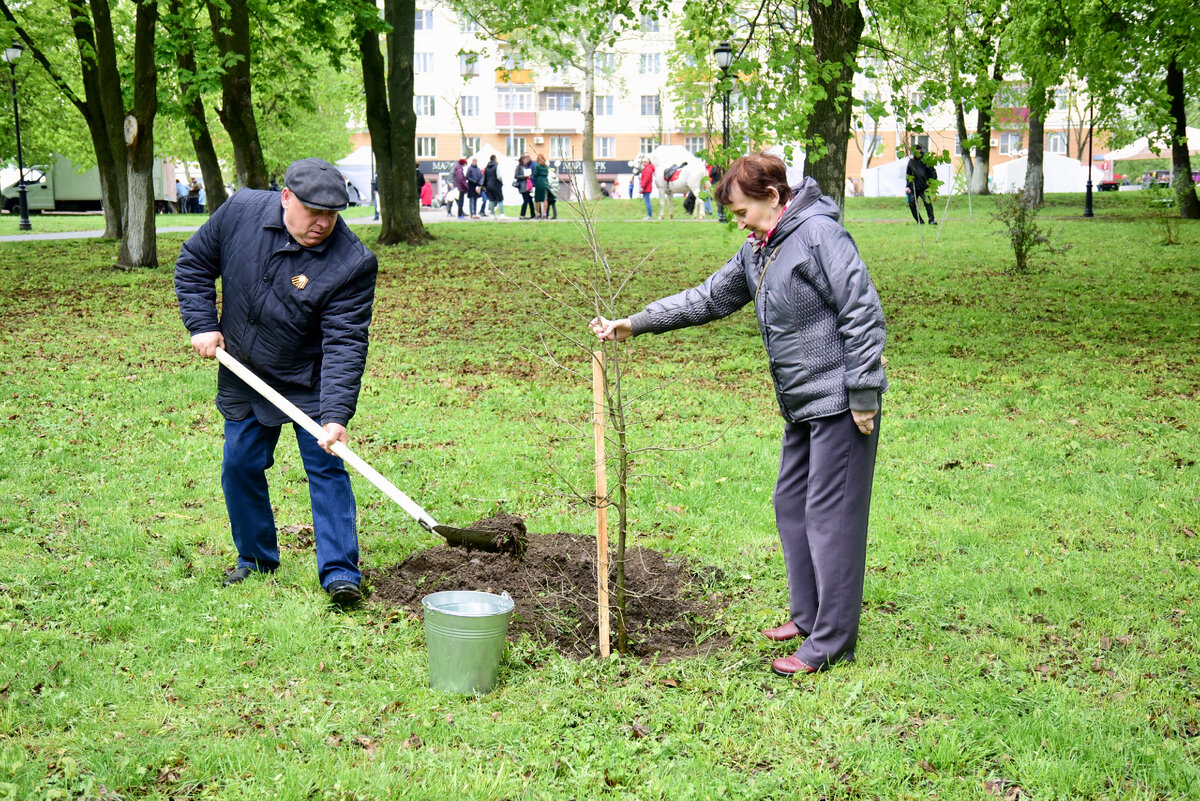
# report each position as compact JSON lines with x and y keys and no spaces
{"x":491,"y":541}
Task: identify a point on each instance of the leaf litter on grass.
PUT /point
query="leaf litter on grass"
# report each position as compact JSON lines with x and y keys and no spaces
{"x":554,"y":589}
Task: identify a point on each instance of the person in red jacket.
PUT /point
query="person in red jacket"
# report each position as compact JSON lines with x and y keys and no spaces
{"x":648,"y":187}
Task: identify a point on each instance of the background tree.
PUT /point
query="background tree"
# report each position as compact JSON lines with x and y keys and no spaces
{"x":138,"y":240}
{"x":388,"y":91}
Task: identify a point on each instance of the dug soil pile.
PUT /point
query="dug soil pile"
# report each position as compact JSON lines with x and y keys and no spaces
{"x":554,"y":588}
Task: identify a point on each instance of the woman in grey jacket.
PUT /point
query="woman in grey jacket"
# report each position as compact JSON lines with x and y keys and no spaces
{"x":823,"y":328}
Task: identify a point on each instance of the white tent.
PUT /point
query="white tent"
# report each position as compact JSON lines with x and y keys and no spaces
{"x":795,"y":170}
{"x":356,"y":168}
{"x":505,"y":169}
{"x":1140,"y":149}
{"x":1060,"y":174}
{"x":889,"y":180}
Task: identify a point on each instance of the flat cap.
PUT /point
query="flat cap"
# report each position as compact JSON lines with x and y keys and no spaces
{"x":317,"y":184}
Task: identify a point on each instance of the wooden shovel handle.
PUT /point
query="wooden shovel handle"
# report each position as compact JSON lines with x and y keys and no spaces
{"x":340,"y":448}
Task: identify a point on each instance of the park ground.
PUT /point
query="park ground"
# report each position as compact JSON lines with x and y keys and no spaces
{"x":1029,"y":624}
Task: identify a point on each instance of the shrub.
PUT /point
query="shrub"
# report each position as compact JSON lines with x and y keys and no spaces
{"x":1018,"y":211}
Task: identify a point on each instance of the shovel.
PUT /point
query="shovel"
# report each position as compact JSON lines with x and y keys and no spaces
{"x":494,"y":541}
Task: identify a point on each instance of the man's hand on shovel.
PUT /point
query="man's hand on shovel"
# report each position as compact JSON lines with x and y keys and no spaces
{"x":334,"y":433}
{"x":206,"y":344}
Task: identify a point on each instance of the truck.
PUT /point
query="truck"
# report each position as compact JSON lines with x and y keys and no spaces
{"x":62,"y":187}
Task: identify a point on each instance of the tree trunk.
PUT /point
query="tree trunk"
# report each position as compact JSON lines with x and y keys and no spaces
{"x":232,"y":37}
{"x":401,"y":14}
{"x":590,"y":190}
{"x":197,"y":119}
{"x":837,"y":26}
{"x":93,"y":112}
{"x":1035,"y":179}
{"x":968,"y":163}
{"x":1181,"y":163}
{"x":983,"y":159}
{"x":139,"y":247}
{"x":379,"y":124}
{"x":112,"y":106}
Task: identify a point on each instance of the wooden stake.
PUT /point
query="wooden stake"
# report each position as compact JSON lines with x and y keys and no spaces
{"x":601,"y":500}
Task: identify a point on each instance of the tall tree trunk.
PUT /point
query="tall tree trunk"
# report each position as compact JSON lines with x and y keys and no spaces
{"x":983,"y":158}
{"x":968,"y":163}
{"x":197,"y":119}
{"x":400,"y":14}
{"x":112,"y":104}
{"x":1035,"y":177}
{"x":1181,"y":163}
{"x":110,"y":187}
{"x":591,"y":185}
{"x":837,"y":26}
{"x":379,"y":124}
{"x":232,"y":36}
{"x":139,"y":246}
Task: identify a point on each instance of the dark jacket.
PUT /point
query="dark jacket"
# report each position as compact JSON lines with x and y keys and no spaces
{"x":818,"y":312}
{"x":460,"y":178}
{"x":296,"y":316}
{"x":474,"y":176}
{"x":519,"y":176}
{"x":491,"y":181}
{"x":918,"y":174}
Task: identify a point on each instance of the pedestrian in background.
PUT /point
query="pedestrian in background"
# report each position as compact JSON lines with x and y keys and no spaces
{"x":460,"y":184}
{"x":474,"y":182}
{"x":917,"y":175}
{"x":541,"y":185}
{"x":523,"y":181}
{"x":492,"y":186}
{"x":647,"y":183}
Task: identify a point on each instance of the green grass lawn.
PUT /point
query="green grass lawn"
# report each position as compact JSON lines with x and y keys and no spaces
{"x":1029,"y":617}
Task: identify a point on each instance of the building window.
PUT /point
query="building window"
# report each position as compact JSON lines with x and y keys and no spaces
{"x":513,"y":61}
{"x":692,"y":107}
{"x":920,"y":140}
{"x":468,"y":64}
{"x":424,"y":20}
{"x":514,"y":146}
{"x":649,"y":105}
{"x":514,"y":99}
{"x":649,"y":23}
{"x":468,"y":106}
{"x":560,"y":147}
{"x":427,"y":147}
{"x":606,"y":147}
{"x":472,"y":144}
{"x":917,"y":100}
{"x":650,"y":64}
{"x":694,"y":144}
{"x":423,"y":105}
{"x":1056,"y":143}
{"x":1010,"y":144}
{"x":422,"y":63}
{"x":467,"y":25}
{"x":606,"y":62}
{"x":647,"y":143}
{"x":604,"y":105}
{"x":1061,"y":98}
{"x":560,"y":101}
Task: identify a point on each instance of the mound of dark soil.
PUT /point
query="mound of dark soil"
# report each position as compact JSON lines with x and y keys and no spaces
{"x":554,"y":588}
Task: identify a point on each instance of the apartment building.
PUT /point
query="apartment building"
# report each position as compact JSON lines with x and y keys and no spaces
{"x":471,"y":92}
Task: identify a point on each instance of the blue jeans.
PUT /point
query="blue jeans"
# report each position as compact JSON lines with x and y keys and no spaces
{"x":249,"y":453}
{"x":646,"y":197}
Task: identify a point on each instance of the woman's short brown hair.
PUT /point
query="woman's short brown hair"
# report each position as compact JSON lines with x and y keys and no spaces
{"x":757,"y":175}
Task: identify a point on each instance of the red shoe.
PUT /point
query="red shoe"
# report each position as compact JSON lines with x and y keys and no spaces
{"x":790,"y":666}
{"x":787,"y":631}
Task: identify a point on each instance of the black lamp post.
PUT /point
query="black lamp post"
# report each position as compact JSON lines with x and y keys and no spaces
{"x":1087,"y":197}
{"x":11,"y":54}
{"x":723,"y":53}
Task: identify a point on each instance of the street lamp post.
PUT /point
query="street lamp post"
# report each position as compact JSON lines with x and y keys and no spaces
{"x":11,"y":54}
{"x":1087,"y":198}
{"x":723,"y":53}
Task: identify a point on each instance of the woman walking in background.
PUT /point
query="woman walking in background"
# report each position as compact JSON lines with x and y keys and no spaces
{"x":541,"y":185}
{"x":823,"y":328}
{"x":523,"y":181}
{"x":493,"y":190}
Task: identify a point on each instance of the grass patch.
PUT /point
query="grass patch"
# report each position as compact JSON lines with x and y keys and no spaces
{"x":1033,"y":565}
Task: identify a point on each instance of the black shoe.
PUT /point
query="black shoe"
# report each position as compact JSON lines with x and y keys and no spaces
{"x":236,"y":576}
{"x":344,"y":593}
{"x":932,"y":221}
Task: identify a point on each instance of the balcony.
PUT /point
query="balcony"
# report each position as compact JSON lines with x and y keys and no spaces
{"x":507,"y":120}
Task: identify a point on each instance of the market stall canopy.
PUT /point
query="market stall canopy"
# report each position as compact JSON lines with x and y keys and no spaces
{"x":1059,"y":174}
{"x":1140,"y":149}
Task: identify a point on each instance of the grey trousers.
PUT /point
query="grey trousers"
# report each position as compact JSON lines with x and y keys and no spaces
{"x":822,"y":502}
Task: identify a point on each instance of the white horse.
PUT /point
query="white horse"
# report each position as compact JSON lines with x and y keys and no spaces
{"x":691,"y":173}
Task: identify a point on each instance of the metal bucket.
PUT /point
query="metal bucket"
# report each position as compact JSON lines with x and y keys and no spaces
{"x":465,"y":634}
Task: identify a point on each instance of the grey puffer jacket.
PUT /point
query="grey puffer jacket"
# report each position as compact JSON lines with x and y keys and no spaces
{"x":818,"y":312}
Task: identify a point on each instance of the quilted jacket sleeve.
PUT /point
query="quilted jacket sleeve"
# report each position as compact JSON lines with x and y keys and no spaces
{"x":721,"y":294}
{"x":344,"y":324}
{"x":196,"y":273}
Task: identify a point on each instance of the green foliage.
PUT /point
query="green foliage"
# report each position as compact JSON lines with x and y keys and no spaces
{"x":1028,"y":616}
{"x":1160,"y":201}
{"x":1018,"y":212}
